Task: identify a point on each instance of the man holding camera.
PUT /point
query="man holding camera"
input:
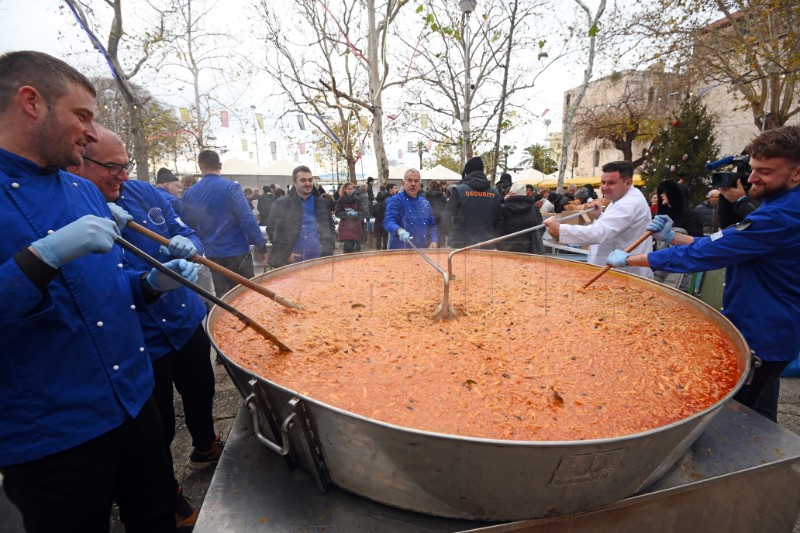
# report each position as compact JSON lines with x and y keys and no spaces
{"x":760,"y":254}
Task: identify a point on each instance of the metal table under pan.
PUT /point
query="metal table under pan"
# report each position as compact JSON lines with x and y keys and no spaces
{"x":741,"y":474}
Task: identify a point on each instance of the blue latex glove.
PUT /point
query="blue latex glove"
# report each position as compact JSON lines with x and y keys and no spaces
{"x":661,"y":226}
{"x":88,"y":234}
{"x":403,"y":235}
{"x":163,"y":283}
{"x":120,"y":215}
{"x":180,"y":247}
{"x":618,"y":259}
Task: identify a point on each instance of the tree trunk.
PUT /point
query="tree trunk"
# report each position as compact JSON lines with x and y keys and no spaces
{"x":501,"y":112}
{"x":569,"y":111}
{"x":375,"y":96}
{"x":139,"y":143}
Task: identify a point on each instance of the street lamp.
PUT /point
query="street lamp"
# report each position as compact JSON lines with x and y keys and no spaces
{"x":466,"y":7}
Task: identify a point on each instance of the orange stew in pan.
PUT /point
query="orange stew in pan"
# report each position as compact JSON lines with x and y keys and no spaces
{"x":529,"y":356}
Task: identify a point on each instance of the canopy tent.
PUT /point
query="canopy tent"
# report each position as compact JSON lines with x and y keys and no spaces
{"x":248,"y":174}
{"x":529,"y":174}
{"x":440,"y":173}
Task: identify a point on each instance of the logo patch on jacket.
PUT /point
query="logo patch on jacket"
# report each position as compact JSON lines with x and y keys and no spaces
{"x":156,"y":216}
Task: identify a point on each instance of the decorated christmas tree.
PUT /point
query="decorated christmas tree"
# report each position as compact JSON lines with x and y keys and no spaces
{"x":682,"y":150}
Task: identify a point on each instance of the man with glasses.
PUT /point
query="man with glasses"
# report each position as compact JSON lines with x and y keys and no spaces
{"x":79,"y":426}
{"x":300,"y":226}
{"x":173,"y":326}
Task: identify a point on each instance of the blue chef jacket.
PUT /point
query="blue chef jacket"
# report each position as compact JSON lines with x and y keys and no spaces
{"x":762,"y":278}
{"x":173,"y":200}
{"x":170,"y":321}
{"x":217,"y":210}
{"x":414,"y":215}
{"x":72,"y":359}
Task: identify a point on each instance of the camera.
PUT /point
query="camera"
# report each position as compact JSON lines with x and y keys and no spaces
{"x":725,"y":180}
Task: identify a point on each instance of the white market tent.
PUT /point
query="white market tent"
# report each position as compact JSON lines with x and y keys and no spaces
{"x":529,"y":176}
{"x":249,"y":174}
{"x":440,"y":173}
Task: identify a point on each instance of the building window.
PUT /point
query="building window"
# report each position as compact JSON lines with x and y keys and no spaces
{"x":596,"y":158}
{"x":566,"y":102}
{"x":651,"y":95}
{"x":575,"y":159}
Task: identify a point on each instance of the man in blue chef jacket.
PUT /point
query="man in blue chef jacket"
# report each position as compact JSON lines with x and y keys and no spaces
{"x":410,"y":216}
{"x":173,"y":326}
{"x":78,"y":425}
{"x":760,"y":254}
{"x":218,"y":211}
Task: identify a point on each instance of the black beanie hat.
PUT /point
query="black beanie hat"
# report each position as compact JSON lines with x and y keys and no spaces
{"x":476,"y":163}
{"x":165,"y":175}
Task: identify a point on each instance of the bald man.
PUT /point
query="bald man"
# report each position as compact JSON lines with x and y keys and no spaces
{"x":178,"y":345}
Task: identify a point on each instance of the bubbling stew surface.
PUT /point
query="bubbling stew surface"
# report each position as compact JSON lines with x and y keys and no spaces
{"x":530,"y":356}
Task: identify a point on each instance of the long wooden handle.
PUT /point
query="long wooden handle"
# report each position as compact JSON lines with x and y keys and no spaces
{"x":228,"y":273}
{"x":152,"y":261}
{"x":629,"y":249}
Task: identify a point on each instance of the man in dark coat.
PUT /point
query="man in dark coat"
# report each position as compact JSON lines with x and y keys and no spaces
{"x":473,"y":210}
{"x":519,"y":213}
{"x":379,"y":212}
{"x":503,"y":185}
{"x":300,"y":225}
{"x":707,"y":211}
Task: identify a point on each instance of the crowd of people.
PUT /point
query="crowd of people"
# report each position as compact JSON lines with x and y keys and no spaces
{"x":96,"y":339}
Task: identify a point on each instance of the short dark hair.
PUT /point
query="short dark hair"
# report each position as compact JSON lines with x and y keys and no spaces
{"x":625,"y":168}
{"x":390,"y":186}
{"x":208,"y":158}
{"x":298,"y":170}
{"x":43,"y":72}
{"x":780,"y":142}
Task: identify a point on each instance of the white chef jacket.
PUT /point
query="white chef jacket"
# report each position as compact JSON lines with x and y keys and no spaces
{"x":616,"y":228}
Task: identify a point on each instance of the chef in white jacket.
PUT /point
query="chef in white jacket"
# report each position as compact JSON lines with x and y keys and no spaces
{"x":616,"y":227}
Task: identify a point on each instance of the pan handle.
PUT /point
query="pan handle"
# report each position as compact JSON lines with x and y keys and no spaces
{"x":286,"y":427}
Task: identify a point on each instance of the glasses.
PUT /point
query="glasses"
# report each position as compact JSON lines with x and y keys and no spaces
{"x":113,"y":168}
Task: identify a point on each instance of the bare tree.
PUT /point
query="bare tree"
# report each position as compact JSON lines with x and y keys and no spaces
{"x":325,"y":73}
{"x":111,"y":51}
{"x":500,"y":54}
{"x":637,"y":114}
{"x":195,"y":49}
{"x":571,"y":106}
{"x":751,"y":46}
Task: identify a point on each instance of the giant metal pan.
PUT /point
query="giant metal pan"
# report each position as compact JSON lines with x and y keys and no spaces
{"x":469,"y":478}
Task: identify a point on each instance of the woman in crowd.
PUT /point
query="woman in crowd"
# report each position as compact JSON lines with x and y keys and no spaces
{"x":347,"y":211}
{"x":673,"y":202}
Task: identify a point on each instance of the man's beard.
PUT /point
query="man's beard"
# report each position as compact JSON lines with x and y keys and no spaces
{"x":50,"y":139}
